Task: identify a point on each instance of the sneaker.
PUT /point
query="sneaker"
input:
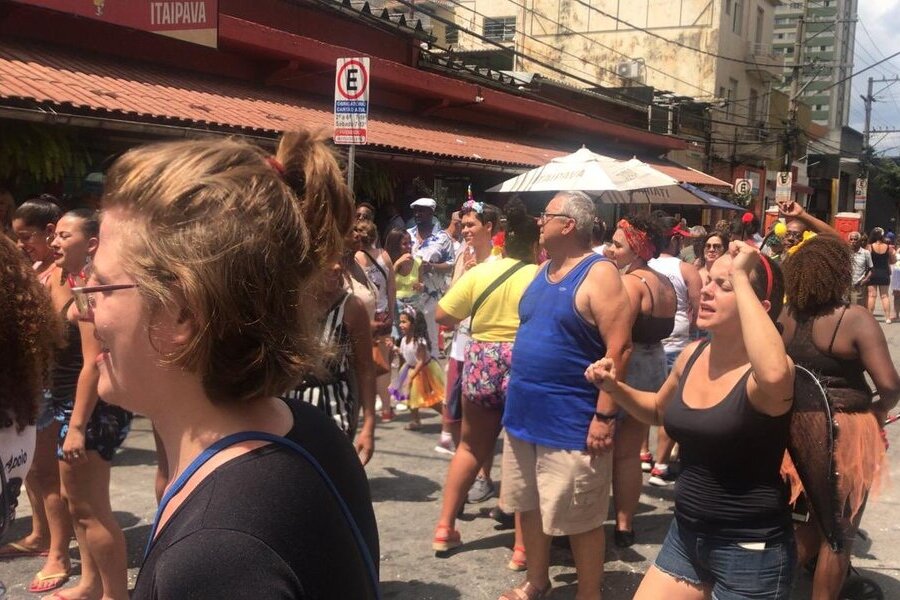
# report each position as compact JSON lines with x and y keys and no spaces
{"x":401,"y":407}
{"x":646,"y":462}
{"x":445,"y":447}
{"x":660,"y":477}
{"x":481,"y":490}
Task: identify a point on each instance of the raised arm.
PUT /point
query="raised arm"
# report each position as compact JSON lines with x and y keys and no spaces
{"x":771,"y":388}
{"x":793,"y":210}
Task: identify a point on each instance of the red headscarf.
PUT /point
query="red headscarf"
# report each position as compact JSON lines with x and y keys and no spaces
{"x":638,"y":240}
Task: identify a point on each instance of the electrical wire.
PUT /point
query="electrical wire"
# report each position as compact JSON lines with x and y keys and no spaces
{"x":665,"y":39}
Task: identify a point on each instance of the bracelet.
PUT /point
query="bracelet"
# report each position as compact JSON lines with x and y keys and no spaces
{"x":602,"y":417}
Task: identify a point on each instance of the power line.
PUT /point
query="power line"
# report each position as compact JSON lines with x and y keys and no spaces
{"x":665,"y":39}
{"x":861,"y":71}
{"x":531,"y":37}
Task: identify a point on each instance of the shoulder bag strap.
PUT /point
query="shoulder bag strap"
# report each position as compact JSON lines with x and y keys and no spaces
{"x":244,"y":436}
{"x":494,"y":285}
{"x":375,"y":262}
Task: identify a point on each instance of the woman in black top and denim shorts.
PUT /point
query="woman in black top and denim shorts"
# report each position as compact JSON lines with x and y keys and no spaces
{"x":727,"y":402}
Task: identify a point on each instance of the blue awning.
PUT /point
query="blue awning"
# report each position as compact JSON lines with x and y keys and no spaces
{"x":712,"y":201}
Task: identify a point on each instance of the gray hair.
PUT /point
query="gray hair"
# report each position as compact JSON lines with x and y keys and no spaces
{"x":580,"y":208}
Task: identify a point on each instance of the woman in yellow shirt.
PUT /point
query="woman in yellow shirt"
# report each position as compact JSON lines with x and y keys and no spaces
{"x":485,"y":376}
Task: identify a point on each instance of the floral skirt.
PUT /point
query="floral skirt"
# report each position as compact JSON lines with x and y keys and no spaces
{"x":424,"y":390}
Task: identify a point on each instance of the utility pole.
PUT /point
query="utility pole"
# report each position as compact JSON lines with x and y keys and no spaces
{"x":794,"y":106}
{"x":868,"y":99}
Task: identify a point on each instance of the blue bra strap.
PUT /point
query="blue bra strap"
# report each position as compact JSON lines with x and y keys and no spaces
{"x":244,"y":436}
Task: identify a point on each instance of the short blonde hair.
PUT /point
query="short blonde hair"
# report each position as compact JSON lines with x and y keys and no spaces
{"x":239,"y":238}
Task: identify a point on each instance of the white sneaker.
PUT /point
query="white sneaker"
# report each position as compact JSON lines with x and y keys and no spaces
{"x":660,"y":477}
{"x":445,"y":447}
{"x":400,"y":407}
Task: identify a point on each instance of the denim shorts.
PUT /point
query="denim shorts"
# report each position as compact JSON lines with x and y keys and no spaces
{"x":733,"y":571}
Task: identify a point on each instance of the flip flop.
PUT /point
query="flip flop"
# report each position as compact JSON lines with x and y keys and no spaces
{"x":47,"y":583}
{"x":14,"y":550}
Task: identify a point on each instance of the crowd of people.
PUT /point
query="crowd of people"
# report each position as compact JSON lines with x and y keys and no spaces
{"x":264,"y":321}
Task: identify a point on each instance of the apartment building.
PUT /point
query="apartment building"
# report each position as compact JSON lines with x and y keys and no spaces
{"x":829,"y":32}
{"x":717,"y":53}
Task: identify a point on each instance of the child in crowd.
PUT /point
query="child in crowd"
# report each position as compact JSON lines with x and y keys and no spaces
{"x":420,"y":382}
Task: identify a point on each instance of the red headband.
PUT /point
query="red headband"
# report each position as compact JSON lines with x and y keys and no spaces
{"x":638,"y":240}
{"x":276,"y":165}
{"x":769,"y":278}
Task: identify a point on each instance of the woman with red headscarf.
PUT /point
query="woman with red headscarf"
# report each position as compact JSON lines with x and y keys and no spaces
{"x":653,"y":304}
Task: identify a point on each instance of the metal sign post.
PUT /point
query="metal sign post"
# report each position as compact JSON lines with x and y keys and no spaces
{"x":351,"y":107}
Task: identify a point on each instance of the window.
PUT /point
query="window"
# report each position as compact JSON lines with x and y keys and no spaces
{"x":752,"y":102}
{"x":760,"y":20}
{"x":500,"y":29}
{"x":738,"y":16}
{"x":451,"y":35}
{"x":730,"y":96}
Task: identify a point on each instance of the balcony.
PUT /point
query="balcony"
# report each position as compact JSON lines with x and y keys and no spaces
{"x":768,"y":66}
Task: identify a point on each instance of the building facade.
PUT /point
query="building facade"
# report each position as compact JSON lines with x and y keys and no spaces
{"x":829,"y":33}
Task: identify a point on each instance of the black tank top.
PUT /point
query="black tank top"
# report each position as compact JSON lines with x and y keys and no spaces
{"x":648,"y":329}
{"x":881,"y":265}
{"x":67,"y":362}
{"x":730,"y":485}
{"x":844,"y":378}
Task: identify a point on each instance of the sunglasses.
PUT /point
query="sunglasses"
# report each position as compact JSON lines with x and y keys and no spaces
{"x":85,"y":301}
{"x":713,"y":246}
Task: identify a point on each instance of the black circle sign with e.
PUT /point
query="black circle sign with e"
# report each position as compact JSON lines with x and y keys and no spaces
{"x":363,"y":83}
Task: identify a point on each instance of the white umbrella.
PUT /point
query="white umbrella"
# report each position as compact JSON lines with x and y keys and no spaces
{"x":587,"y":172}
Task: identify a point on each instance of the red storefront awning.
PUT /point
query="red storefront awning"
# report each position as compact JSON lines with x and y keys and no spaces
{"x":64,"y":82}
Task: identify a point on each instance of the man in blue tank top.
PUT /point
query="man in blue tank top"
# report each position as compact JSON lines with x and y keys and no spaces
{"x":557,"y":457}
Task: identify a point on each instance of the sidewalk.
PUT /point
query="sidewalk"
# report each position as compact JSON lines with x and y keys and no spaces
{"x":406,"y":477}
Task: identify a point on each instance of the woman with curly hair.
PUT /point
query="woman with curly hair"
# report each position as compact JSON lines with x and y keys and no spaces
{"x":841,"y":343}
{"x":638,"y":239}
{"x":29,"y":334}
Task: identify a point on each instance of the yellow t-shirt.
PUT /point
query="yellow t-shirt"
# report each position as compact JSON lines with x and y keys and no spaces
{"x":498,"y":316}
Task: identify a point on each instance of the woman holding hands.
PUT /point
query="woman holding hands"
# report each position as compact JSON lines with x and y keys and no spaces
{"x":727,"y":402}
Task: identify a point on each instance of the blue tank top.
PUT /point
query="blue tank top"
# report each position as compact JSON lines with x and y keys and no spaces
{"x":549,"y":402}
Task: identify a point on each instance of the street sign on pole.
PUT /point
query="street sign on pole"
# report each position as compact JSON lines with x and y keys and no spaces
{"x":351,"y":101}
{"x":783,"y":181}
{"x":862,"y":192}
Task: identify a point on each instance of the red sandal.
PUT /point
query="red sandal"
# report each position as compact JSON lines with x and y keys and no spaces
{"x":520,"y":563}
{"x":526,"y":591}
{"x":445,"y":539}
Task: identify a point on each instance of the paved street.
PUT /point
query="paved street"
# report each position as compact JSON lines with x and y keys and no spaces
{"x":406,"y":477}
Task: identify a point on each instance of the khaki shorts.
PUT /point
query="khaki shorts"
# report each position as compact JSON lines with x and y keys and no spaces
{"x":570,"y":488}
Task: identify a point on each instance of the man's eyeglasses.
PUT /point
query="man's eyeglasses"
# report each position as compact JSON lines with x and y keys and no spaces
{"x":85,"y":301}
{"x":794,"y":235}
{"x":545,"y":216}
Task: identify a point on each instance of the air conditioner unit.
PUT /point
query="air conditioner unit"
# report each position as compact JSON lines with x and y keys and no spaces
{"x":629,"y":69}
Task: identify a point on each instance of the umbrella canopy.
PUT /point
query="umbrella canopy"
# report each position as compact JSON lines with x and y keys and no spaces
{"x":588,"y":172}
{"x":683,"y":194}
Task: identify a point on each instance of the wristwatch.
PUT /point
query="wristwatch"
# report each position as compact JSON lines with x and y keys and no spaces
{"x":604,"y":417}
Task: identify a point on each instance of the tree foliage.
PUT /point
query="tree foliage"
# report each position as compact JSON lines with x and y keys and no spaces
{"x":887,"y":176}
{"x":42,"y":153}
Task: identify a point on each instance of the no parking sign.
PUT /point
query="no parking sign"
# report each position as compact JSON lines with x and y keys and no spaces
{"x":351,"y":101}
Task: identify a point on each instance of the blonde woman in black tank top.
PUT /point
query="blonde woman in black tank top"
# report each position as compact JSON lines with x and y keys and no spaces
{"x":743,"y":376}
